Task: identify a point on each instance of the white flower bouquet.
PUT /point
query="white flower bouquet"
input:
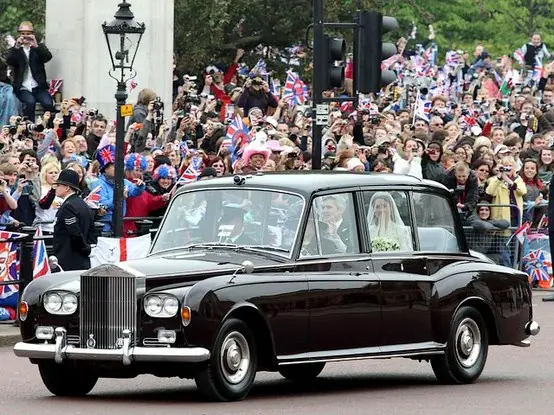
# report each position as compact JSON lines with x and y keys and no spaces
{"x":380,"y":244}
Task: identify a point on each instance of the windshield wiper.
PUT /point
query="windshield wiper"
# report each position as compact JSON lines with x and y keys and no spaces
{"x":212,"y":245}
{"x":266,"y":247}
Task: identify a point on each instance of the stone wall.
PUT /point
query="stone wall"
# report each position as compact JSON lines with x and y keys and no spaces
{"x":75,"y":38}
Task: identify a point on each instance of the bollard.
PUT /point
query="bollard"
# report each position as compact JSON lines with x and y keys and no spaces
{"x":143,"y":227}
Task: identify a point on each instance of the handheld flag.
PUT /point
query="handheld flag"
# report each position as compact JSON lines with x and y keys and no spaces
{"x":192,"y":172}
{"x":40,"y":257}
{"x":239,"y":137}
{"x":296,"y":91}
{"x":93,"y":199}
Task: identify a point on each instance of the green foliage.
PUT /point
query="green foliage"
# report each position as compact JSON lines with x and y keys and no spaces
{"x":14,"y":12}
{"x":208,"y":31}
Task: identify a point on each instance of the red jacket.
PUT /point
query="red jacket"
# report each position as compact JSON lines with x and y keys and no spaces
{"x":220,"y":93}
{"x":139,"y":207}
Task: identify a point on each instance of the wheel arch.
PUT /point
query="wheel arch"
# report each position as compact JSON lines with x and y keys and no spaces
{"x":486,"y":311}
{"x":256,"y":322}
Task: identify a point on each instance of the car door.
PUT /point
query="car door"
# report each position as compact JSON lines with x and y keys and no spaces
{"x":406,"y":288}
{"x":344,"y":291}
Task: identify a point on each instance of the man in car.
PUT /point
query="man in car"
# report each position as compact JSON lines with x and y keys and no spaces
{"x":338,"y":228}
{"x":231,"y":226}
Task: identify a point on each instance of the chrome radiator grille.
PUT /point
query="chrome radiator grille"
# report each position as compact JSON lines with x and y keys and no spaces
{"x":108,"y":305}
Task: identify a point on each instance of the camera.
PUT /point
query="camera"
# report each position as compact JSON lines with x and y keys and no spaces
{"x":526,"y":117}
{"x":504,"y":169}
{"x":257,"y":82}
{"x":93,"y":112}
{"x":31,"y":128}
{"x":158,"y":104}
{"x":382,"y":149}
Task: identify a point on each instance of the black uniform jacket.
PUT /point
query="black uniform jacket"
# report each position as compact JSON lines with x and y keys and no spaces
{"x":74,"y":232}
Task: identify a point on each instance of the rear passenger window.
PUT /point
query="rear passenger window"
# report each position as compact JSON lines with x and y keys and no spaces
{"x":435,"y":223}
{"x":388,"y":219}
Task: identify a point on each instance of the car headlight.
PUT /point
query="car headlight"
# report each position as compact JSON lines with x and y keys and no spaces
{"x":60,"y":302}
{"x":161,"y":305}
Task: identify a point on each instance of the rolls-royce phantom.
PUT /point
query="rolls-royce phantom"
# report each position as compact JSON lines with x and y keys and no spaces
{"x":281,"y":272}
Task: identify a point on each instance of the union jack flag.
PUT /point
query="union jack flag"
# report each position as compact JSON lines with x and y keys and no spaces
{"x":259,"y":69}
{"x":295,"y":90}
{"x":239,"y":136}
{"x":93,"y":199}
{"x":107,"y":155}
{"x":537,"y":265}
{"x":423,"y":109}
{"x":519,"y":57}
{"x":9,"y":269}
{"x":40,"y":258}
{"x":192,"y":172}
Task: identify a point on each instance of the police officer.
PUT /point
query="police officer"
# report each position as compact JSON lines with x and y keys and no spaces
{"x":74,"y":231}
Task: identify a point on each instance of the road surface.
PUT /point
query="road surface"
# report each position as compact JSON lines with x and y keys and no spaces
{"x":515,"y":381}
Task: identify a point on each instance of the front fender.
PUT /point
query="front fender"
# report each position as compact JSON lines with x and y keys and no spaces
{"x":502,"y":295}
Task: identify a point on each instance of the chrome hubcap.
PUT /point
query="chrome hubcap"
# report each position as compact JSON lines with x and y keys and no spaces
{"x":468,"y":342}
{"x":234,"y":357}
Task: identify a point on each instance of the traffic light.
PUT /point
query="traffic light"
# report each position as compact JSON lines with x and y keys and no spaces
{"x":372,"y":51}
{"x":333,"y":75}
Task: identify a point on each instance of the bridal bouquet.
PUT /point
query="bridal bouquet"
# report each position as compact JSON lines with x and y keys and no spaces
{"x":380,"y":244}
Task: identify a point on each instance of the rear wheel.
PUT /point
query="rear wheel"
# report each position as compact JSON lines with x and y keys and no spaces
{"x":66,"y":380}
{"x":231,"y":370}
{"x":301,"y":372}
{"x":466,"y":351}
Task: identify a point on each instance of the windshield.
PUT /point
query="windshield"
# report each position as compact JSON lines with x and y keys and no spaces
{"x":231,"y":218}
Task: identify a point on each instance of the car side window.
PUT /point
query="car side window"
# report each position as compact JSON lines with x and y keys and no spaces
{"x":389,"y":221}
{"x":331,"y":227}
{"x":435,"y":223}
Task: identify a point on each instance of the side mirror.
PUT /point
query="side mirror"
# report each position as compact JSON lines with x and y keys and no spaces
{"x":247,"y":267}
{"x":54,"y":265}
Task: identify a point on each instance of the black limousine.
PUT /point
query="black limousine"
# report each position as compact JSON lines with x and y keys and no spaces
{"x":281,"y":272}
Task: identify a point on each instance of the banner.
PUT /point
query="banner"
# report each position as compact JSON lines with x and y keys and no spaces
{"x":111,"y":250}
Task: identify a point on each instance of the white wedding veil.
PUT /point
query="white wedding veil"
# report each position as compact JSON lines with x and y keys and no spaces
{"x":384,"y":223}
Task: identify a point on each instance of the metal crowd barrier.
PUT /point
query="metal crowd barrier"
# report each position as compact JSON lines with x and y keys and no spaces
{"x":497,"y":243}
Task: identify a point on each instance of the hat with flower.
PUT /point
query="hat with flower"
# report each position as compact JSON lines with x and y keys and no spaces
{"x":136,"y":162}
{"x":105,"y":156}
{"x":165,"y":171}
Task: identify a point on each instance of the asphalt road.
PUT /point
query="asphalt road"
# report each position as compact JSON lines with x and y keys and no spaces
{"x":515,"y":381}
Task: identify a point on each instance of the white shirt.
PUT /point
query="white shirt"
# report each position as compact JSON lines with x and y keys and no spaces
{"x":28,"y":81}
{"x":48,"y":215}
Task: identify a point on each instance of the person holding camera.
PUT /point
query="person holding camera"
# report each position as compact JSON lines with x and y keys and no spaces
{"x":256,"y":94}
{"x":26,"y":190}
{"x":27,"y":59}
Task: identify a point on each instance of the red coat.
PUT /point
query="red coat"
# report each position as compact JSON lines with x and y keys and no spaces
{"x":139,"y":207}
{"x":220,"y":93}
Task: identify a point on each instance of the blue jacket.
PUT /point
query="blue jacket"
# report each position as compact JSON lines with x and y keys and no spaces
{"x":106,"y":197}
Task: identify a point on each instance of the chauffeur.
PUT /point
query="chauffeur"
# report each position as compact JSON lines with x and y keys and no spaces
{"x":74,"y":231}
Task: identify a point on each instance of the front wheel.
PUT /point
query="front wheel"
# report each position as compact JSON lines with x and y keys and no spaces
{"x":66,"y":380}
{"x":231,"y":370}
{"x":302,"y":372}
{"x":466,"y":351}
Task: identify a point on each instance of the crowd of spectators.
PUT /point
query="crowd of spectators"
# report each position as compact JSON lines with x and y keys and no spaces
{"x":481,"y":127}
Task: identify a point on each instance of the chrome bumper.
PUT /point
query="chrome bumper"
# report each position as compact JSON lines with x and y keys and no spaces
{"x":532,"y":328}
{"x":61,"y":351}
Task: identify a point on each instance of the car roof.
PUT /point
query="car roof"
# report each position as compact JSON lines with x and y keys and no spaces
{"x":310,"y":181}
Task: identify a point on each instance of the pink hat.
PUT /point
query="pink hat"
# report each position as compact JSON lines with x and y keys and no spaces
{"x":274,"y":145}
{"x":255,"y":148}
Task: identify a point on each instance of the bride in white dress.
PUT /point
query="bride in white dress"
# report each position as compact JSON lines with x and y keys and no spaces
{"x":385,"y":223}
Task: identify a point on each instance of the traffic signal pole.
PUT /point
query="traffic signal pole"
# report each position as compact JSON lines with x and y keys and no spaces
{"x":317,"y":83}
{"x":368,"y":53}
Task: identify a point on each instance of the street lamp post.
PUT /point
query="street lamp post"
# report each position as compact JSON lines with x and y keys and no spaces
{"x":123,"y":36}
